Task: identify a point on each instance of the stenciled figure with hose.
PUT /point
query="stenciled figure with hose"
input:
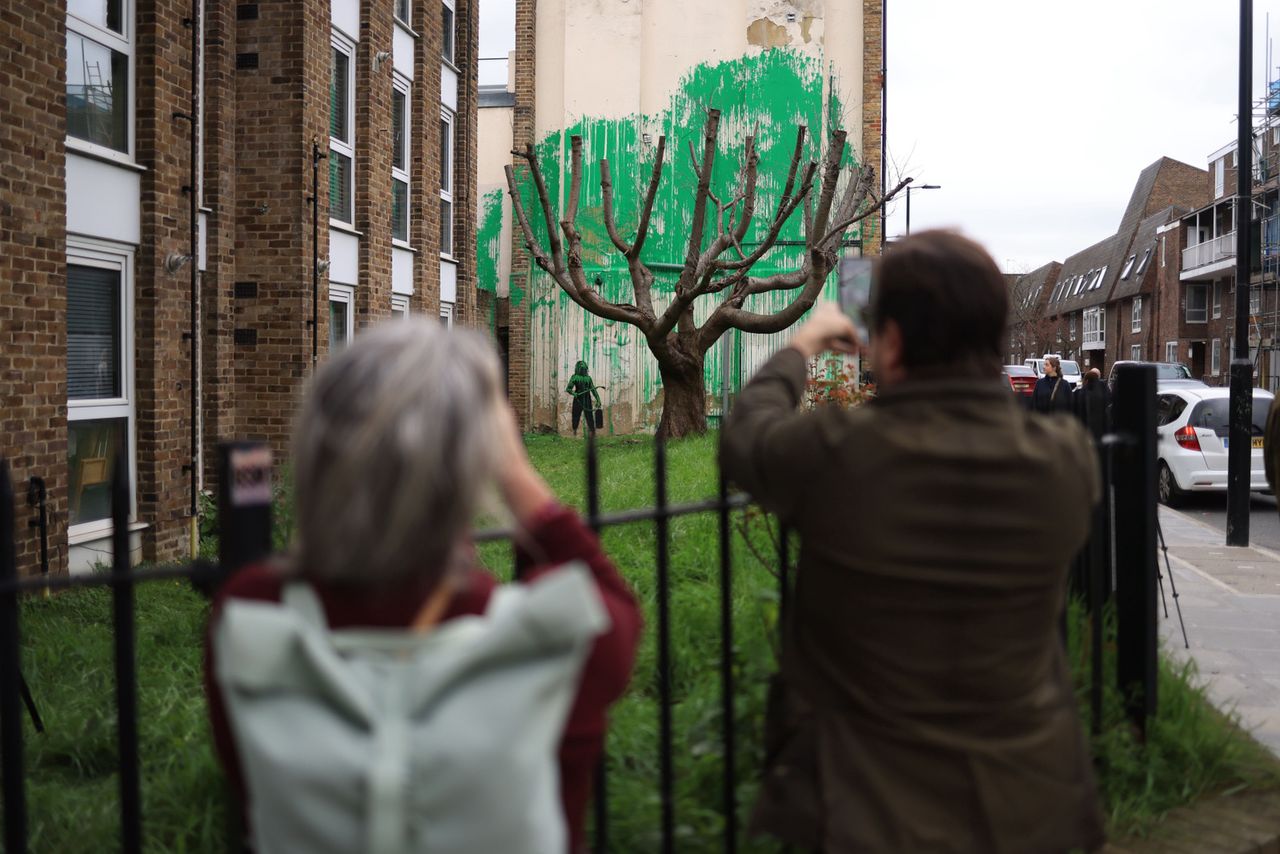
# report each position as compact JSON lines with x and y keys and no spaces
{"x":583,"y":389}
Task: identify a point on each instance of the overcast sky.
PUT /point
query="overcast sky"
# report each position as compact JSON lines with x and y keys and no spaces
{"x":1036,"y":118}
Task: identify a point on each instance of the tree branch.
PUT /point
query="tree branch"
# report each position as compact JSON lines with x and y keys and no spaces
{"x":575,"y":177}
{"x":693,"y":253}
{"x":840,"y":227}
{"x":611,"y":225}
{"x":544,"y":199}
{"x":642,"y":231}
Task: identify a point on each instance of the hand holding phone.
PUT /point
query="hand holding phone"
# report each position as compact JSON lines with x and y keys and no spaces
{"x":854,"y":292}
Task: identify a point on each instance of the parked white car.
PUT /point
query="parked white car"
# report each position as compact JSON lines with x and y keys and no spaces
{"x":1070,"y":369}
{"x":1192,"y":448}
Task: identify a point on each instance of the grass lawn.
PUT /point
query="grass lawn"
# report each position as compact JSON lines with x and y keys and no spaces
{"x":67,"y":650}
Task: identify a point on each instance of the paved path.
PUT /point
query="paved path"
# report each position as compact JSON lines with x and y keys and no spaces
{"x":1264,"y":521}
{"x":1230,"y":600}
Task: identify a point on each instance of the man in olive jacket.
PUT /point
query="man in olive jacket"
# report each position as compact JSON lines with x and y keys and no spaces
{"x":924,"y":703}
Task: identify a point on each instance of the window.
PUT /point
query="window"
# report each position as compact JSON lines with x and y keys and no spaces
{"x":447,"y":32}
{"x":99,"y":379}
{"x":99,"y":58}
{"x":399,"y":306}
{"x":400,"y":136}
{"x":1142,"y":265}
{"x":446,"y":315}
{"x":1219,"y":176}
{"x":1097,"y":279}
{"x":1076,"y":285}
{"x":1255,"y":301}
{"x":1094,"y":331}
{"x":1215,"y":356}
{"x":1197,"y":297}
{"x":403,"y":12}
{"x":1128,"y":266}
{"x":446,"y":182}
{"x":1171,"y":351}
{"x":1135,"y":352}
{"x":340,"y":316}
{"x":1071,"y":326}
{"x":1217,"y":300}
{"x":341,"y":133}
{"x":1135,"y":321}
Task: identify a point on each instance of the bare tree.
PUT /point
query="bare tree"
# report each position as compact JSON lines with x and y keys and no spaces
{"x":715,"y":266}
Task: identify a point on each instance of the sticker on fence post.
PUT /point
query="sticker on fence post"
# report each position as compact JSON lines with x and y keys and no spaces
{"x":250,"y":476}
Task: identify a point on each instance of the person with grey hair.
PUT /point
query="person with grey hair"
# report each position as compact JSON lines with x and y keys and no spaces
{"x":400,"y":442}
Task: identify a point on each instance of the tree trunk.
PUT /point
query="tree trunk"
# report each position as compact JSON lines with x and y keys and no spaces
{"x":684,"y":393}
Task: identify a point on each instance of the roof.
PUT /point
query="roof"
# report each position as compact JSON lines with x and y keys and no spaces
{"x":1088,"y":276}
{"x":1130,"y":282}
{"x":1027,"y":292}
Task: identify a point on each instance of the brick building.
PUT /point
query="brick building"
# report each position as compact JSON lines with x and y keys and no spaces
{"x":367,"y":105}
{"x":1118,"y":298}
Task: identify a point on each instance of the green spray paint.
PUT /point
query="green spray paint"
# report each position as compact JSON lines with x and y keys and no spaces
{"x":765,"y":94}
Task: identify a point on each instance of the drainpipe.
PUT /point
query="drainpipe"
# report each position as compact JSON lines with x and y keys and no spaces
{"x":194,"y":23}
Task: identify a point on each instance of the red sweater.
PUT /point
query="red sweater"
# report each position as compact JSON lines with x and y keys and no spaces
{"x":556,"y":536}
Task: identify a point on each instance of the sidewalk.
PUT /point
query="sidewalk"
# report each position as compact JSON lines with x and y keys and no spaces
{"x":1230,"y":601}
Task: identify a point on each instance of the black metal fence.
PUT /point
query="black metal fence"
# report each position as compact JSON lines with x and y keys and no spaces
{"x":1122,"y":547}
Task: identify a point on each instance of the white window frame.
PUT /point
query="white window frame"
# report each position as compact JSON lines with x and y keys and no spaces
{"x":1142,"y":265}
{"x":1217,"y":300}
{"x":84,"y":252}
{"x":400,"y":305}
{"x":403,"y":19}
{"x":1135,"y":352}
{"x":1255,"y":301}
{"x":1135,"y":320}
{"x":346,"y":147}
{"x":1215,"y":356}
{"x":401,"y":85}
{"x":1128,"y":267}
{"x":446,"y":172}
{"x":1187,"y":307}
{"x":451,"y":58}
{"x":121,"y":43}
{"x":347,"y":295}
{"x":1071,"y":326}
{"x":1219,"y":177}
{"x":1094,"y":331}
{"x":1171,"y":351}
{"x":446,"y":314}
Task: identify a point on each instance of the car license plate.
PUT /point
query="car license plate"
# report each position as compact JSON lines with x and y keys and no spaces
{"x":1257,"y":442}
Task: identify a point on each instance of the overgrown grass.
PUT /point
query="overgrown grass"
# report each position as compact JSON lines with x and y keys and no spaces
{"x":67,"y":655}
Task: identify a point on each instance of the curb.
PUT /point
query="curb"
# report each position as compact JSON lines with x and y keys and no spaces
{"x":1243,"y":823}
{"x":1262,"y":550}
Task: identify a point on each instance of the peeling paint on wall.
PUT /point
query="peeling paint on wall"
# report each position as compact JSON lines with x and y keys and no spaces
{"x":765,"y":93}
{"x":765,"y":33}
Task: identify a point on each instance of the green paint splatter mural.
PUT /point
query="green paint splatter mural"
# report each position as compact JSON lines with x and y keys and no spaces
{"x":768,"y":95}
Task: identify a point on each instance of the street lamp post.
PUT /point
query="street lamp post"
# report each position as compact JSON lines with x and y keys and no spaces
{"x":910,"y":187}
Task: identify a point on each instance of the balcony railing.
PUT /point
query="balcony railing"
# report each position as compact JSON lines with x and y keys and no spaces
{"x":1209,"y":252}
{"x":1271,"y":236}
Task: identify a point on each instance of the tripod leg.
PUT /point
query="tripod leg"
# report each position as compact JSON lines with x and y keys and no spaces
{"x":31,"y":705}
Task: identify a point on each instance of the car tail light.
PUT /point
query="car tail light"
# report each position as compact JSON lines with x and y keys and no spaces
{"x":1186,"y":437}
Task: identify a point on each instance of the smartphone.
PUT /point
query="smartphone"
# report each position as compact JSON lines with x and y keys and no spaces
{"x":854,"y":291}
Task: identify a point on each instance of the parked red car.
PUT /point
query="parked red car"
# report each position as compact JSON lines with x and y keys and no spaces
{"x":1021,"y":380}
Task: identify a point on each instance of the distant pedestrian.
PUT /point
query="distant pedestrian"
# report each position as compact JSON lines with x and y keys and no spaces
{"x":1092,"y":403}
{"x":583,"y":388}
{"x":1052,"y":392}
{"x":924,"y":701}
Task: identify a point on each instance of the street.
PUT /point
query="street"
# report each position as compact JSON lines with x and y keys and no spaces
{"x":1264,"y":520}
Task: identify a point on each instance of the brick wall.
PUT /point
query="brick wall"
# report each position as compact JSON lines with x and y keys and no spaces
{"x":1178,"y":183}
{"x":217,"y":285}
{"x":522,"y":130}
{"x":465,"y":203}
{"x":873,"y":109}
{"x":281,"y":109}
{"x":161,"y":298}
{"x":33,"y":392}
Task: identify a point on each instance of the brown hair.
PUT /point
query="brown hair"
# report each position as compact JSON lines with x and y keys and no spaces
{"x":950,"y":301}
